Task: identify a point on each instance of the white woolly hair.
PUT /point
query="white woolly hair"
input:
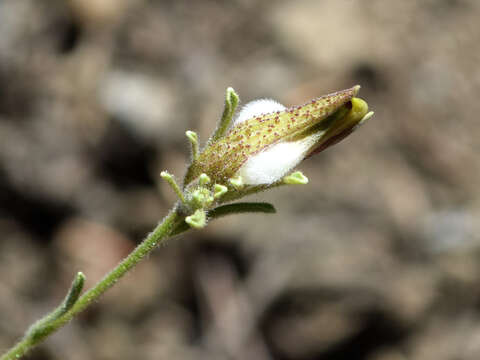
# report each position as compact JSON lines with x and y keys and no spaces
{"x":275,"y":162}
{"x":256,"y":108}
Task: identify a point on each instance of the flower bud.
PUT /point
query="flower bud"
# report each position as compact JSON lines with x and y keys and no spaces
{"x":267,"y":141}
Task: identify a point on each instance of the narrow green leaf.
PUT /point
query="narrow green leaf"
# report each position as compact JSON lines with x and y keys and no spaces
{"x":43,"y":327}
{"x":74,"y":292}
{"x":241,"y":208}
{"x":230,"y":209}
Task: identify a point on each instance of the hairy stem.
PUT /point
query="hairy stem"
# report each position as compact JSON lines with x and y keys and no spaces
{"x":49,"y":324}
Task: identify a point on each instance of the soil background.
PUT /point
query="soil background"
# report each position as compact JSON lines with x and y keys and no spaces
{"x":377,"y":258}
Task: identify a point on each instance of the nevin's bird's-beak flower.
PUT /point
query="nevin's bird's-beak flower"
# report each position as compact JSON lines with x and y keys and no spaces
{"x":267,"y":140}
{"x":259,"y":148}
{"x":254,"y":151}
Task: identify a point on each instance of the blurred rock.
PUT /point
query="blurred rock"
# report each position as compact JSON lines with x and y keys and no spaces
{"x":143,"y":103}
{"x":102,"y":12}
{"x":91,"y":248}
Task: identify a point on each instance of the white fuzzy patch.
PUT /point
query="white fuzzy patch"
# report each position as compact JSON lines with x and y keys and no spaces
{"x":275,"y":162}
{"x":256,"y":108}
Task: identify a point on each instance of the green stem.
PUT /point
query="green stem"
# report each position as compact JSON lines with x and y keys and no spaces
{"x":36,"y":335}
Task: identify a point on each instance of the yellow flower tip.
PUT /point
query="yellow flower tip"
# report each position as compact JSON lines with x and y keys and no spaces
{"x":358,"y":111}
{"x":344,"y":125}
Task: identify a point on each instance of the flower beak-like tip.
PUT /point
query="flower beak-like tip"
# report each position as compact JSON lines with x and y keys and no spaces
{"x":344,"y":122}
{"x":267,"y":141}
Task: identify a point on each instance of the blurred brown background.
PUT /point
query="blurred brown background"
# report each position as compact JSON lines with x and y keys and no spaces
{"x":377,"y":258}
